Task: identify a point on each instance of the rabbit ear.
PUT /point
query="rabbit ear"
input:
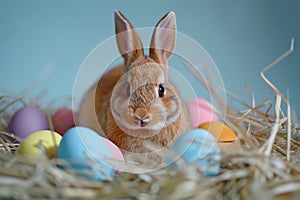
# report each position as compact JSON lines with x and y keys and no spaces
{"x":129,"y":43}
{"x":163,"y":38}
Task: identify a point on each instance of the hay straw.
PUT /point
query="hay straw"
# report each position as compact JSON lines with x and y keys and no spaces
{"x":225,"y":110}
{"x":264,"y":167}
{"x":279,"y":96}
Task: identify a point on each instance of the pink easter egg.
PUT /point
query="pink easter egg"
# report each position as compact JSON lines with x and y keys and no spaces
{"x":63,"y":120}
{"x":200,"y":111}
{"x":116,"y":153}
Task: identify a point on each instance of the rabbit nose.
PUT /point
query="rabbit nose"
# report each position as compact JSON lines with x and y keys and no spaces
{"x":142,"y":116}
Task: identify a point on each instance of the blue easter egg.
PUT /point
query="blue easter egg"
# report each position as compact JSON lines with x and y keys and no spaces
{"x":198,"y":147}
{"x":88,"y":153}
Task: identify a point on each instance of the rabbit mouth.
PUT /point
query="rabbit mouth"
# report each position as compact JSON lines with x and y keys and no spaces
{"x":144,"y":125}
{"x":128,"y":123}
{"x":136,"y":127}
{"x":141,"y":123}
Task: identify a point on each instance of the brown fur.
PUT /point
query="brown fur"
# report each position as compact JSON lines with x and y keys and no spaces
{"x":143,"y":74}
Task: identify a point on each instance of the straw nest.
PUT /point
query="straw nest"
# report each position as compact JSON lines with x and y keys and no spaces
{"x":265,"y":166}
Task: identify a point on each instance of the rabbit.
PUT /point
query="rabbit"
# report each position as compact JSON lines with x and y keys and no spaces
{"x":134,"y":104}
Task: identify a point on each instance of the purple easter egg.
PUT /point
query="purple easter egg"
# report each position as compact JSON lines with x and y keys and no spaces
{"x":27,"y":120}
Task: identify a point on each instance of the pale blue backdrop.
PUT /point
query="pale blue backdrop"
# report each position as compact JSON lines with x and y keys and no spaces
{"x":43,"y":43}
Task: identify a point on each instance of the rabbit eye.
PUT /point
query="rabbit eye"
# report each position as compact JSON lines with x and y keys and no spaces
{"x":127,"y":89}
{"x":161,"y":91}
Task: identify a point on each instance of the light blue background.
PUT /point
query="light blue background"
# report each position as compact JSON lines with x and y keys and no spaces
{"x":43,"y":43}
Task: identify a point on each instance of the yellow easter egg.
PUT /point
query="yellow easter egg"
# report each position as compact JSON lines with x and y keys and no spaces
{"x":38,"y":142}
{"x":221,"y":131}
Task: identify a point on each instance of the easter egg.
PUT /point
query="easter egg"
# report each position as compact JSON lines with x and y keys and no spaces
{"x":38,"y":142}
{"x":27,"y":120}
{"x":86,"y":151}
{"x":63,"y":120}
{"x":221,"y":132}
{"x":200,"y":111}
{"x":197,"y":147}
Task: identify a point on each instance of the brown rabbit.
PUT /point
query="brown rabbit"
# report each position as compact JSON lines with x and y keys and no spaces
{"x":134,"y":105}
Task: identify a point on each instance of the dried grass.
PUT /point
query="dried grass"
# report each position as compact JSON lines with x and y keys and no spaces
{"x":266,"y":166}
